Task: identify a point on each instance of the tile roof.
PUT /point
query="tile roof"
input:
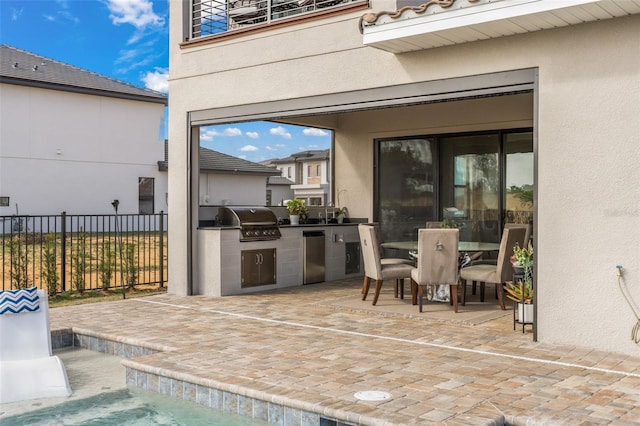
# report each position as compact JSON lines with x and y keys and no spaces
{"x":25,"y":68}
{"x":280,"y":180}
{"x":300,"y":157}
{"x":214,"y":161}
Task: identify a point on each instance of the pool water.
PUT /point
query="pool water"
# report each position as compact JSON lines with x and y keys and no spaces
{"x":128,"y":407}
{"x":101,"y":397}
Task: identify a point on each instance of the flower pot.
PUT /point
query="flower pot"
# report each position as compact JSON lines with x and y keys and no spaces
{"x":294,"y":219}
{"x":525,"y":313}
{"x":340,"y":219}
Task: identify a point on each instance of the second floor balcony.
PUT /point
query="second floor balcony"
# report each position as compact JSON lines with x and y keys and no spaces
{"x":212,"y":17}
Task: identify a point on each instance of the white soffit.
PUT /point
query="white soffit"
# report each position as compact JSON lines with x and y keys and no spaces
{"x":420,"y":27}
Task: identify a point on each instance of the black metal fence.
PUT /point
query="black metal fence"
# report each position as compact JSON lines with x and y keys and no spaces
{"x":65,"y":252}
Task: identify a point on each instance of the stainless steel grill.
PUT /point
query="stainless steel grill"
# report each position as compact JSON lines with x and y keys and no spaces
{"x":256,"y":223}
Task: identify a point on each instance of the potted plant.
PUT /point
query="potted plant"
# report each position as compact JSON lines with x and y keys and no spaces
{"x":521,"y":291}
{"x":341,"y":213}
{"x":296,"y":207}
{"x":522,"y":294}
{"x":523,"y":259}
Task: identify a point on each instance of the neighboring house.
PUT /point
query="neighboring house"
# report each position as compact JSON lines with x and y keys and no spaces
{"x":225,"y":180}
{"x":445,"y":105}
{"x":310,"y":171}
{"x":278,"y":190}
{"x":73,"y":140}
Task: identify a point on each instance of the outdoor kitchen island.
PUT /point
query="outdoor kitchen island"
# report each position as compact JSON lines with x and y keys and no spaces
{"x":225,"y":265}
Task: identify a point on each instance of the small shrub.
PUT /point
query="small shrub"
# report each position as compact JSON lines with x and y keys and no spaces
{"x":106,"y":265}
{"x":49,"y":264}
{"x":19,"y":259}
{"x":79,"y":262}
{"x":130,"y":267}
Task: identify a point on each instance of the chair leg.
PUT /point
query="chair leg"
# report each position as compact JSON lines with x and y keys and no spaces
{"x":378,"y":287}
{"x":454,"y":296}
{"x":414,"y":292}
{"x":464,"y":291}
{"x":482,"y":291}
{"x":365,"y":287}
{"x":402,"y":288}
{"x":473,"y":287}
{"x":395,"y":288}
{"x":500,"y":299}
{"x":420,"y":291}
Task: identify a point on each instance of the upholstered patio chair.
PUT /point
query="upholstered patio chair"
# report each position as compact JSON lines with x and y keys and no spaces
{"x":388,"y":260}
{"x":433,"y":225}
{"x":497,"y":273}
{"x":374,"y":269}
{"x":437,"y":262}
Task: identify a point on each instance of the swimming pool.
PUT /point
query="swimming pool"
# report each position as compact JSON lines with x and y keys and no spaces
{"x":101,"y":397}
{"x":129,"y":407}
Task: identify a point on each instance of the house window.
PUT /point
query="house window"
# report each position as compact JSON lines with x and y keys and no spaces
{"x":269,"y":197}
{"x":145,"y":195}
{"x":289,"y":172}
{"x":309,"y":171}
{"x":210,"y":17}
{"x":318,"y":173}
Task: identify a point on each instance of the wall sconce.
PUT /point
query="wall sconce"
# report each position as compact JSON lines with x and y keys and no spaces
{"x":439,"y":246}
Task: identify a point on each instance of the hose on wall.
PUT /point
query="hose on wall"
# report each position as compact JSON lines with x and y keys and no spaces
{"x":635,"y":331}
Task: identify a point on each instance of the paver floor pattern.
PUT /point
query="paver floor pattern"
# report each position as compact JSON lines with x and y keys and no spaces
{"x":287,"y":343}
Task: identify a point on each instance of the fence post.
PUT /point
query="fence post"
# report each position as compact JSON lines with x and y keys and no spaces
{"x":63,"y":248}
{"x":161,"y":249}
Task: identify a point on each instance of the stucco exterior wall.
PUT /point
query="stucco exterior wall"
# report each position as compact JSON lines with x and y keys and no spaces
{"x":238,"y":190}
{"x":79,"y":155}
{"x":584,"y":110}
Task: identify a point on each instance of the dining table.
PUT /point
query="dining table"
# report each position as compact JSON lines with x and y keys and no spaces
{"x":440,"y":293}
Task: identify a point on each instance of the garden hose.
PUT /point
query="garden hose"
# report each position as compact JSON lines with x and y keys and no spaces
{"x":635,"y":331}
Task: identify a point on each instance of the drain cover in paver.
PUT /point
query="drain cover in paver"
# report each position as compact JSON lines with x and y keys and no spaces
{"x":372,"y":395}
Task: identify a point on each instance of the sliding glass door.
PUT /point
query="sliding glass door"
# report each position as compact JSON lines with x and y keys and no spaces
{"x":475,"y":181}
{"x":470,"y":185}
{"x":406,"y":182}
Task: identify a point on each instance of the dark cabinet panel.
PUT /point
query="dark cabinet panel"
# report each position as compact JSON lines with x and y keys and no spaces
{"x":258,"y":267}
{"x":352,"y":258}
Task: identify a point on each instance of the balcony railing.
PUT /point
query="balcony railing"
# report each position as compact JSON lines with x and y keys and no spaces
{"x":209,"y":17}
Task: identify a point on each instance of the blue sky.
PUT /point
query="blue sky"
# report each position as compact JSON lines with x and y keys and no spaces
{"x":129,"y":40}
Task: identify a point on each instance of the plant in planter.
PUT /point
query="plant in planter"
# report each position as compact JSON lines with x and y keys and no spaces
{"x":523,"y":258}
{"x":296,"y":208}
{"x":521,"y":292}
{"x":341,"y":213}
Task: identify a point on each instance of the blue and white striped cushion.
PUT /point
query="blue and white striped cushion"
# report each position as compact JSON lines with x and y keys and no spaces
{"x":18,"y":301}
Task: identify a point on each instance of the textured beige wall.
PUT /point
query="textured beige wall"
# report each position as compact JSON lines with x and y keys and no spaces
{"x":588,"y":207}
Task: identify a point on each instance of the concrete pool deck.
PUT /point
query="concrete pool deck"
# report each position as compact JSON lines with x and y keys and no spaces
{"x":296,"y":347}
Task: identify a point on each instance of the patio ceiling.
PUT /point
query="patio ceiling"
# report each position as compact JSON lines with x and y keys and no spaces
{"x":439,"y":23}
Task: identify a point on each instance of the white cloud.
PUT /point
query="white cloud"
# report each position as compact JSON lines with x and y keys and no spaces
{"x":270,"y":148}
{"x":207,"y":134}
{"x":49,"y":18}
{"x":138,"y":13}
{"x":253,"y":135}
{"x":232,"y":131}
{"x":16,"y":13}
{"x":157,"y":80}
{"x":249,"y":148}
{"x":244,"y":157}
{"x":309,"y":131}
{"x":280,"y":131}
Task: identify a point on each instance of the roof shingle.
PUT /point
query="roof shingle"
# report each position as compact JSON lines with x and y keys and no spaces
{"x":25,"y":68}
